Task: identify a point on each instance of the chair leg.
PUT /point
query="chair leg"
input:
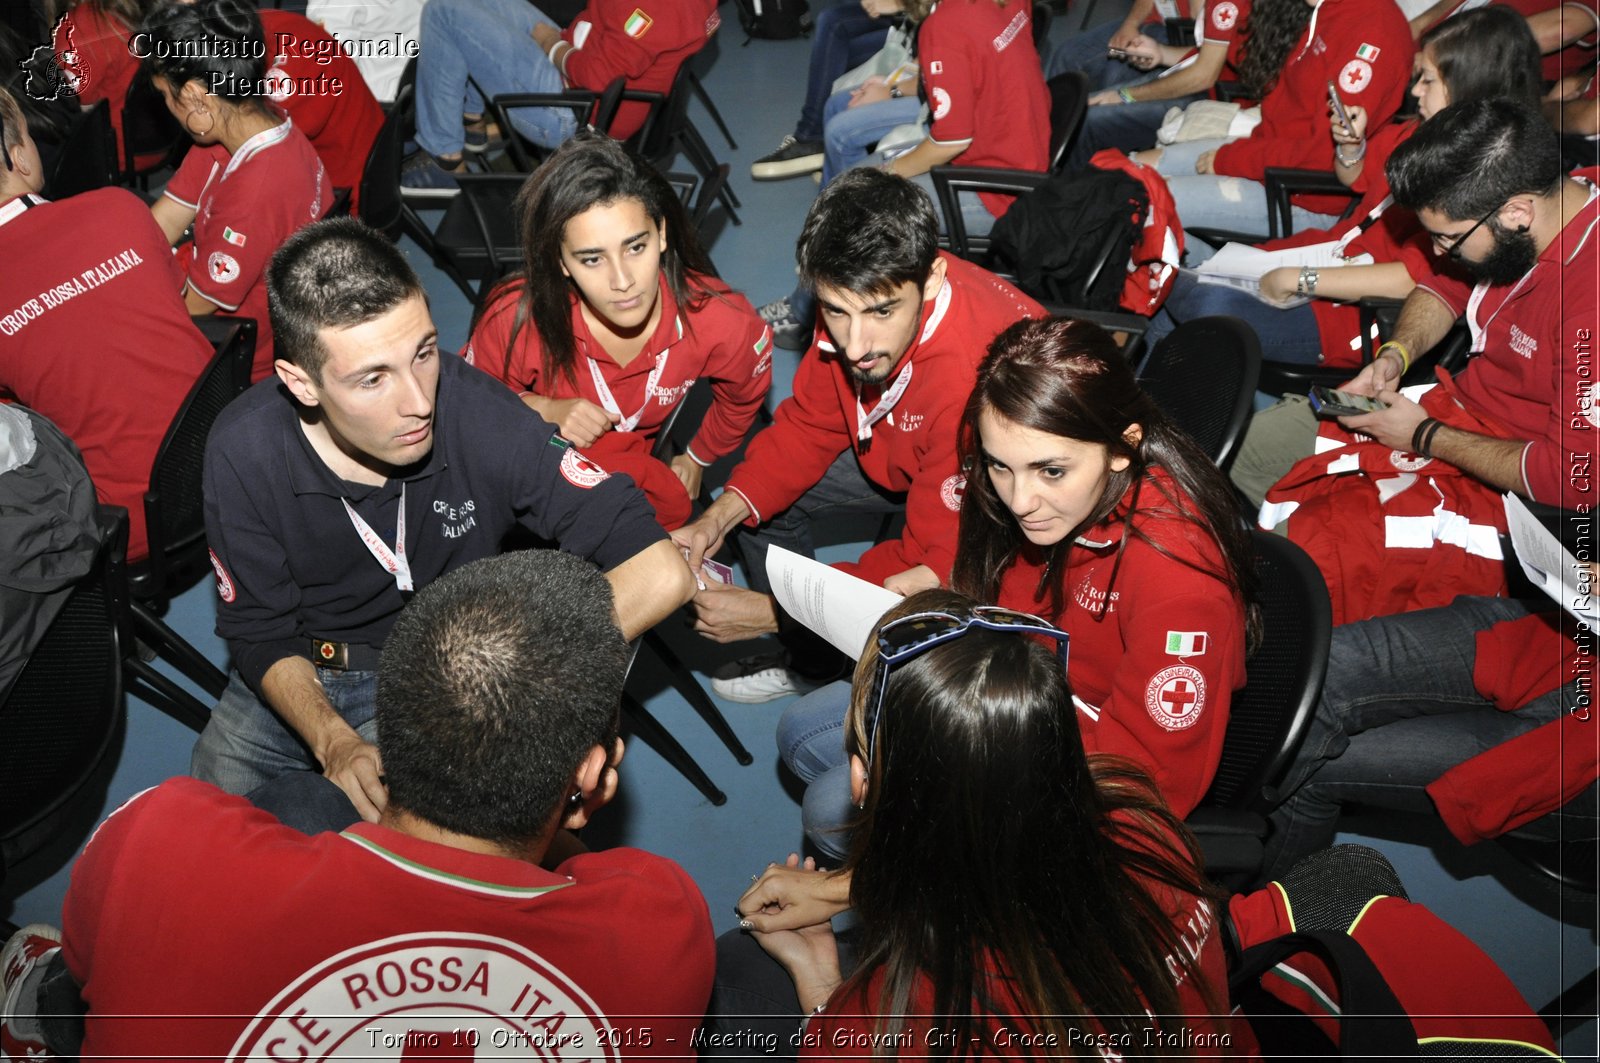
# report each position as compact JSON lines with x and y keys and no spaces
{"x":1573,"y":1007}
{"x":694,"y":145}
{"x":164,"y":694}
{"x":176,"y":650}
{"x":695,"y":695}
{"x":711,"y":109}
{"x":660,"y":739}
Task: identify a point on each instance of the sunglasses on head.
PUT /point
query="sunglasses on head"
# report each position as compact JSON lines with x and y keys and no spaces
{"x":909,"y":636}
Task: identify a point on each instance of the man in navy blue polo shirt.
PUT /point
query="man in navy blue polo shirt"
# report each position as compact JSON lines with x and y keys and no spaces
{"x":385,"y":466}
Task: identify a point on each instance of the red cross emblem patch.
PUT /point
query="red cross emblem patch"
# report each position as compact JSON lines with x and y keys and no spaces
{"x":1176,"y":697}
{"x":1356,"y":75}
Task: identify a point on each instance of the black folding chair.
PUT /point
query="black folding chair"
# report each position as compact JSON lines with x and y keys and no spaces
{"x":1268,"y":718}
{"x":87,"y":159}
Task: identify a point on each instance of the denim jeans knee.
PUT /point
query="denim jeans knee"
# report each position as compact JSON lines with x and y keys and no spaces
{"x":245,"y":743}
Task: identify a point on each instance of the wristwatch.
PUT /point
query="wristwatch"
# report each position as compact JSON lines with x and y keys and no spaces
{"x":895,"y":93}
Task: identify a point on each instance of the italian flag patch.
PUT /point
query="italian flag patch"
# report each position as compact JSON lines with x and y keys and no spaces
{"x":1367,"y":52}
{"x":638,"y":24}
{"x":1186,"y":643}
{"x":232,"y":236}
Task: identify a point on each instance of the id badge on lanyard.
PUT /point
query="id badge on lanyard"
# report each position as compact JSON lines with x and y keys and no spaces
{"x":393,"y":561}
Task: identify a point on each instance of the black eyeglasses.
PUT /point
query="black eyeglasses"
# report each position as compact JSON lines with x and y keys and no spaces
{"x":1453,"y":248}
{"x":901,"y":640}
{"x":5,"y":152}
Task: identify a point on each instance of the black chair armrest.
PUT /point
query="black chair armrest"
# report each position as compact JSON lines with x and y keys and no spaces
{"x":950,"y":181}
{"x":1180,"y":32}
{"x":1218,"y":237}
{"x":580,"y":102}
{"x":1283,"y":183}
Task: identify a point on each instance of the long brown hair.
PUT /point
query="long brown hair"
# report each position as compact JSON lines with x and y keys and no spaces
{"x":997,"y":865}
{"x":587,"y":171}
{"x":1067,"y":378}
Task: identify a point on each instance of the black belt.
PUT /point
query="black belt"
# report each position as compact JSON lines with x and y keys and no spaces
{"x":343,"y":656}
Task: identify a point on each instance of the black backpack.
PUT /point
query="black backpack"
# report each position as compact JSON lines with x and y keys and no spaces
{"x":1053,"y":238}
{"x":772,"y":20}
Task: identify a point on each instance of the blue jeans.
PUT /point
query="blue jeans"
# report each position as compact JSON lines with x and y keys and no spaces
{"x":1129,"y":126}
{"x":848,"y":133}
{"x":245,"y":744}
{"x":842,"y":491}
{"x":492,"y":40}
{"x":811,"y":743}
{"x":1212,"y":202}
{"x":1286,"y":334}
{"x":1086,"y":52}
{"x":1398,"y":710}
{"x":845,"y":36}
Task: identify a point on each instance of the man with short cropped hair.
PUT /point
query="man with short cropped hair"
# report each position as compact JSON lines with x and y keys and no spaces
{"x":871,"y":426}
{"x":368,"y":467}
{"x":468,"y":918}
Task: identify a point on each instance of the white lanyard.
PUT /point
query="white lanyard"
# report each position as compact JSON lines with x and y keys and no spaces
{"x":1366,"y":223}
{"x":865,"y":420}
{"x":393,"y":561}
{"x":609,"y":401}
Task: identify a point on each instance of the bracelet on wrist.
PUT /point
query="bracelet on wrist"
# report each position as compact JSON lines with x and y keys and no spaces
{"x":1126,"y":96}
{"x":1399,"y":349}
{"x":1422,"y":436}
{"x":1306,"y":284}
{"x":1361,"y":153}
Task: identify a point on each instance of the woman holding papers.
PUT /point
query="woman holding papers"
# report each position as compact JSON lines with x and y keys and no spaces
{"x":1306,"y":312}
{"x":616,"y":313}
{"x":1084,"y":505}
{"x":1011,"y":892}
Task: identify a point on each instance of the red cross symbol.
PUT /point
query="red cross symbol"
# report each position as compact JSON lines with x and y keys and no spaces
{"x":1178,"y":697}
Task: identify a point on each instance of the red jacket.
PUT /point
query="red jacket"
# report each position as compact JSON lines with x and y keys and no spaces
{"x":1535,"y":773}
{"x":1158,"y":249}
{"x":723,"y":340}
{"x":1447,"y":986}
{"x":1364,"y":47}
{"x":1153,"y":674}
{"x":321,"y":88}
{"x":1391,"y":531}
{"x":643,"y":41}
{"x":913,"y":448}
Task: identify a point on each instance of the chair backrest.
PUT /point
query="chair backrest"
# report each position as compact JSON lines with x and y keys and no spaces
{"x":381,"y":205}
{"x":491,"y":199}
{"x":1042,"y":17}
{"x":1268,"y":718}
{"x":1203,"y":376}
{"x":174,"y":506}
{"x":61,"y":714}
{"x":1069,"y":101}
{"x":88,"y":156}
{"x":684,"y":184}
{"x":525,"y":154}
{"x":658,"y":137}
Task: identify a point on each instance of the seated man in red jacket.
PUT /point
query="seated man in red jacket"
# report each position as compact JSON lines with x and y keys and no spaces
{"x":1409,"y":518}
{"x":871,"y":426}
{"x":472,"y":48}
{"x":497,"y":718}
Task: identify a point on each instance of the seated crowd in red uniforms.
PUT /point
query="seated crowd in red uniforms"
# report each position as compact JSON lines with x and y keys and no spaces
{"x":1131,"y":527}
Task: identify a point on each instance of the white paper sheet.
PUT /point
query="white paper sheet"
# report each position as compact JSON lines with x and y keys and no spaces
{"x":834,"y":604}
{"x":1548,"y":564}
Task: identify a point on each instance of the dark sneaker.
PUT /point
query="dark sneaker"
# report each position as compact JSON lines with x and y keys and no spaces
{"x":788,"y":331}
{"x":422,"y":177}
{"x":479,"y":136}
{"x":793,"y":157}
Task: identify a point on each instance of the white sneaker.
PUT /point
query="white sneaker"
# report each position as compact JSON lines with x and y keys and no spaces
{"x":20,"y":1037}
{"x":754,"y":680}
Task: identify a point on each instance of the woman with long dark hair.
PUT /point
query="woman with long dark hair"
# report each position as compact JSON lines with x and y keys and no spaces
{"x":1014,"y":896}
{"x":1084,"y":504}
{"x":1293,"y":50}
{"x":616,"y":312}
{"x":251,"y":180}
{"x":1488,"y":51}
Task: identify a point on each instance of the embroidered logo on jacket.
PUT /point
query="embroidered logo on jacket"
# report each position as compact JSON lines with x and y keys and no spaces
{"x":1175,"y":697}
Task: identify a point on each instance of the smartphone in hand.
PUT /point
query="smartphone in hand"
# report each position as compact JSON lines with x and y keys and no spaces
{"x":1329,"y":402}
{"x":1338,"y":110}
